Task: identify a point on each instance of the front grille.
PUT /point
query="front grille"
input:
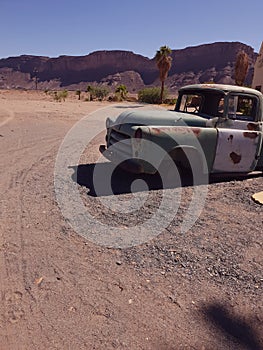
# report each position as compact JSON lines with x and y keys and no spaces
{"x":119,"y":143}
{"x":116,"y":136}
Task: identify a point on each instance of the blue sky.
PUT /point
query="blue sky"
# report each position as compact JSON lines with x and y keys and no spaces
{"x":53,"y":28}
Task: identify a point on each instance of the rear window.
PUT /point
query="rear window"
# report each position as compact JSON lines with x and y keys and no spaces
{"x":242,"y":107}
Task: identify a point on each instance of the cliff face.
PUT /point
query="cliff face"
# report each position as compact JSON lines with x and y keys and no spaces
{"x":200,"y":58}
{"x":93,"y":67}
{"x":210,"y":62}
{"x":190,"y":65}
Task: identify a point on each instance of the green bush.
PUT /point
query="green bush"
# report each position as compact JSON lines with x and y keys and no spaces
{"x":61,"y":95}
{"x":64,"y":94}
{"x":151,"y":95}
{"x":97,"y":93}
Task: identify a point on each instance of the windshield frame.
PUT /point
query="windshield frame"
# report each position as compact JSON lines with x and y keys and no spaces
{"x":206,"y":95}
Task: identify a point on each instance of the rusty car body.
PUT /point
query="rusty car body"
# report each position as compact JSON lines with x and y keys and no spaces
{"x":216,"y":126}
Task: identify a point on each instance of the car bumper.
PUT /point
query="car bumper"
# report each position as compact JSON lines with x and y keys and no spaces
{"x":131,"y":165}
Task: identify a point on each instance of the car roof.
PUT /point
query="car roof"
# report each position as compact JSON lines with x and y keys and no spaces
{"x":221,"y":88}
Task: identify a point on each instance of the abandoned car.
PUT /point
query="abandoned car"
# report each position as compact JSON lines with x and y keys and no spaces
{"x":218,"y":127}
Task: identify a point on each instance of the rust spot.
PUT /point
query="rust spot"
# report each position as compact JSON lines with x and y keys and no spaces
{"x":156,"y":130}
{"x":196,"y":131}
{"x":230,"y":138}
{"x":250,"y":135}
{"x":252,"y":126}
{"x":236,"y":158}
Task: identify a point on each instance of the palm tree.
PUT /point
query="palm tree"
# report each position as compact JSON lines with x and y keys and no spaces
{"x":164,"y":63}
{"x":241,"y":68}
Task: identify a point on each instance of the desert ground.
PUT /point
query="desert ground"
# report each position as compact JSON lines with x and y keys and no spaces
{"x":200,"y":289}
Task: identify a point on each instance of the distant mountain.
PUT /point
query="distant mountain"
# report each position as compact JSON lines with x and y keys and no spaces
{"x":110,"y":68}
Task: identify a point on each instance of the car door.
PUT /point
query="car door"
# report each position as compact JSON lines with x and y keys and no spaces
{"x":239,"y":135}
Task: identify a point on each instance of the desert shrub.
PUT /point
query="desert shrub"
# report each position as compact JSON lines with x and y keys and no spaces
{"x":78,"y":93}
{"x":151,"y":95}
{"x":60,"y":95}
{"x":121,"y":92}
{"x":64,"y":94}
{"x":56,"y":96}
{"x":115,"y":98}
{"x":101,"y":93}
{"x":97,"y":92}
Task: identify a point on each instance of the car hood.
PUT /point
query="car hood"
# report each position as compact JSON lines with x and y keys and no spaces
{"x":160,"y":117}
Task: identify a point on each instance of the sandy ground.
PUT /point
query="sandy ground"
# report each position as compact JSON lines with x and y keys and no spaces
{"x":200,"y":290}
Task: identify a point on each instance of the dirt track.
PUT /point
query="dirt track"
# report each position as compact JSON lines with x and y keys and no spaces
{"x":200,"y":290}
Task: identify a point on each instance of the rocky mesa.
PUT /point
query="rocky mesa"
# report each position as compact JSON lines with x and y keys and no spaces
{"x":198,"y":64}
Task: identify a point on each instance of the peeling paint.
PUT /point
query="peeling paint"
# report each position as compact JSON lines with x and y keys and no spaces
{"x":252,"y":126}
{"x":250,"y":135}
{"x":177,"y":129}
{"x":236,"y":158}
